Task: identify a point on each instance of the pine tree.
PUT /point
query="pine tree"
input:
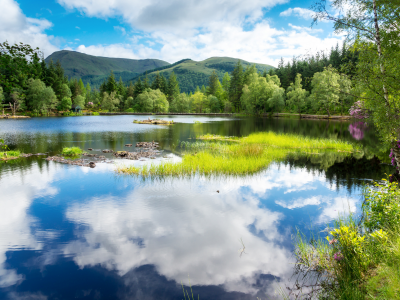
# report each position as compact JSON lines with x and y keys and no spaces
{"x":173,"y":87}
{"x":157,"y":85}
{"x":121,"y":87}
{"x":236,"y":85}
{"x":131,"y":90}
{"x":138,"y":88}
{"x":111,"y":85}
{"x":164,"y":84}
{"x":213,"y":83}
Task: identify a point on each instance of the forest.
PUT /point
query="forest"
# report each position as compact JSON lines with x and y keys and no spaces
{"x":320,"y":84}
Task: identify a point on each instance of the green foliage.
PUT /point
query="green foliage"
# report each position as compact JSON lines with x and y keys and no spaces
{"x":152,"y":101}
{"x":381,"y":207}
{"x":180,"y":104}
{"x":326,"y":89}
{"x":198,"y":102}
{"x":39,"y":97}
{"x":79,"y":101}
{"x":361,"y":259}
{"x":173,"y":90}
{"x":65,"y":104}
{"x":297,"y":95}
{"x":110,"y":101}
{"x":71,"y":151}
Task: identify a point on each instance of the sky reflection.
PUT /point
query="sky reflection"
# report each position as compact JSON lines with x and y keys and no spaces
{"x":180,"y":227}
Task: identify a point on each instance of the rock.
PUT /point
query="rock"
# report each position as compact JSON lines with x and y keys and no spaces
{"x":90,"y":149}
{"x":147,"y":145}
{"x":107,"y":151}
{"x":128,"y":145}
{"x":92,"y":164}
{"x":102,"y":157}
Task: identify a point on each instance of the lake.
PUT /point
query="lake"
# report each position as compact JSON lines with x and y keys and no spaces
{"x":70,"y":232}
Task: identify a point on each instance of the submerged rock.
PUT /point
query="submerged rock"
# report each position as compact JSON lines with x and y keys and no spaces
{"x":147,"y":145}
{"x":107,"y":151}
{"x":128,"y":145}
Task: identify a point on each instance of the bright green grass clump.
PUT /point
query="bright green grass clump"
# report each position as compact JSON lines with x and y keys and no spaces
{"x":237,"y":156}
{"x":71,"y":151}
{"x":9,"y":154}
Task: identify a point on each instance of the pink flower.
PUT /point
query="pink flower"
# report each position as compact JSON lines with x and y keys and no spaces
{"x":338,"y":256}
{"x":331,"y":242}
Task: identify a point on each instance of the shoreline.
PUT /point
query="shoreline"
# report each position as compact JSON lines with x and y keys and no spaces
{"x":266,"y":115}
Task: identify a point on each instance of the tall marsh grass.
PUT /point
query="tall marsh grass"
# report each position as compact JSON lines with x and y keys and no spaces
{"x":236,"y":156}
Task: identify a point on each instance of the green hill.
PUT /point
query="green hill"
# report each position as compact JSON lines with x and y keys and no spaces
{"x":192,"y":73}
{"x":94,"y":69}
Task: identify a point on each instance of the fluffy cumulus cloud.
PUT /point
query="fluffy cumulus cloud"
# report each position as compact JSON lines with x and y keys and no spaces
{"x":178,"y":235}
{"x":15,"y":27}
{"x":262,"y":44}
{"x":17,"y":194}
{"x":298,"y":12}
{"x":175,"y":15}
{"x":201,"y":29}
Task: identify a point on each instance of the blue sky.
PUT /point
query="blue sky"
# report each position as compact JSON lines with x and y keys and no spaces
{"x":259,"y":31}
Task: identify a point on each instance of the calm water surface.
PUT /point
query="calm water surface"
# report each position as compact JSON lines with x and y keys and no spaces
{"x":68,"y":232}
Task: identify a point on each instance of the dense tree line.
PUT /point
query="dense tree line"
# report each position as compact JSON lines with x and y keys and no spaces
{"x":29,"y":84}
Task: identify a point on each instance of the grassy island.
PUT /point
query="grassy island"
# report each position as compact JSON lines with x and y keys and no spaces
{"x":71,"y":151}
{"x":154,"y":122}
{"x":7,"y":155}
{"x":214,"y":155}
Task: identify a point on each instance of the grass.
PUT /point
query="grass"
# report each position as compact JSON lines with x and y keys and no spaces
{"x":217,"y":155}
{"x":12,"y":154}
{"x":359,"y":259}
{"x":71,"y":151}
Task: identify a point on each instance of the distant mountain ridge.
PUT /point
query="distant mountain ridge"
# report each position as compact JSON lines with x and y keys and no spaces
{"x":190,"y":73}
{"x":94,"y":69}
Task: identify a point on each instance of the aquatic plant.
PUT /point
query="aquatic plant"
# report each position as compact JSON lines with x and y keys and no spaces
{"x":218,"y":155}
{"x":359,"y":258}
{"x":71,"y":151}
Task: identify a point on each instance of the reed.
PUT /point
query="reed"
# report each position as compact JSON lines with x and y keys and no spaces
{"x":217,"y":155}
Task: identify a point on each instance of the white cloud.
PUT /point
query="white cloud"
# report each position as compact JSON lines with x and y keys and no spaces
{"x":15,"y":27}
{"x":199,"y":235}
{"x":17,"y":194}
{"x":119,"y":28}
{"x":299,"y":12}
{"x":221,"y":39}
{"x":174,"y":15}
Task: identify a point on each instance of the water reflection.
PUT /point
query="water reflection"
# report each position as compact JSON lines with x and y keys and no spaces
{"x":357,"y":130}
{"x":70,"y":232}
{"x":168,"y":228}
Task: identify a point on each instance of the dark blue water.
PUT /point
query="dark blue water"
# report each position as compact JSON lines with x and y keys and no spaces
{"x":69,"y":232}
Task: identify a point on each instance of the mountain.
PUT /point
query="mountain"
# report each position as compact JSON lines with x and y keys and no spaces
{"x":191,"y":74}
{"x":94,"y":69}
